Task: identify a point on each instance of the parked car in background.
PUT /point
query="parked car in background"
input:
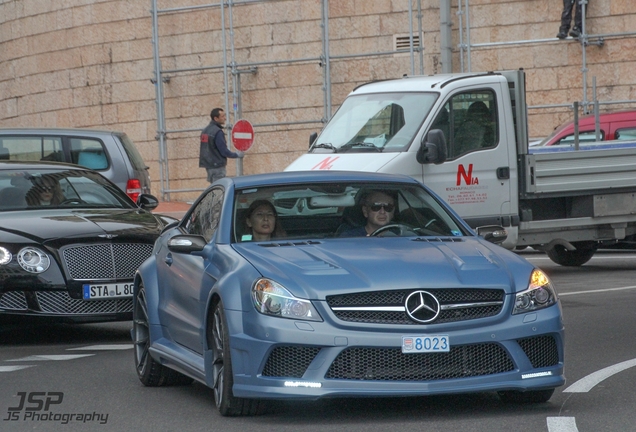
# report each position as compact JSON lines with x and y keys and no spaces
{"x":70,"y":243}
{"x":619,"y":125}
{"x":110,"y":153}
{"x":421,"y":306}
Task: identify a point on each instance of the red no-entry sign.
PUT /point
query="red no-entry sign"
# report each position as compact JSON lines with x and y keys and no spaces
{"x":242,"y":135}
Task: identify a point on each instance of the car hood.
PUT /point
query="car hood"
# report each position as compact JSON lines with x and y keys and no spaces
{"x":46,"y":225}
{"x":370,"y":162}
{"x":316,"y":269}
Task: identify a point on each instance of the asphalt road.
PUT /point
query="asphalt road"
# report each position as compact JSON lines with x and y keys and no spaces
{"x":87,"y":371}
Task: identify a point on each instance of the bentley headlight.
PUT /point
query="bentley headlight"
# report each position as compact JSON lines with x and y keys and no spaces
{"x":5,"y":256}
{"x":271,"y":298}
{"x":540,"y":294}
{"x":33,"y":260}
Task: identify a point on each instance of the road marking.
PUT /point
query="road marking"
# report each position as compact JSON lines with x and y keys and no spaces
{"x":52,"y":357}
{"x":562,"y":424}
{"x":597,"y":291}
{"x":14,"y":368}
{"x":103,"y":347}
{"x":587,"y":383}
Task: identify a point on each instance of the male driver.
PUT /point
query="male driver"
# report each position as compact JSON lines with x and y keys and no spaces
{"x":214,"y":152}
{"x":378,"y":208}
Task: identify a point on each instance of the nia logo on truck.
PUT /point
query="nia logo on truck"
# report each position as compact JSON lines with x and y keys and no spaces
{"x":467,"y":176}
{"x":325,"y":164}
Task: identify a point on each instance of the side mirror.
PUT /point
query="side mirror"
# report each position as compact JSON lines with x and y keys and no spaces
{"x":312,"y":138}
{"x":186,"y":244}
{"x":493,"y":233}
{"x":433,"y":148}
{"x":147,"y":202}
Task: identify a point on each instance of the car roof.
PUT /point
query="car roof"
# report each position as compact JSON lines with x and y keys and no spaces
{"x":316,"y":177}
{"x":57,"y":131}
{"x":589,"y":119}
{"x":17,"y":165}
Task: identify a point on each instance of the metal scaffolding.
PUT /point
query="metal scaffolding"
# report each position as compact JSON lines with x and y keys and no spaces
{"x":233,"y":70}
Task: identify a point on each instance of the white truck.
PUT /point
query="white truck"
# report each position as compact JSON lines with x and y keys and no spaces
{"x":465,"y":136}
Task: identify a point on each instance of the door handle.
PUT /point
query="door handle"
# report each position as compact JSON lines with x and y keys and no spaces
{"x":503,"y":173}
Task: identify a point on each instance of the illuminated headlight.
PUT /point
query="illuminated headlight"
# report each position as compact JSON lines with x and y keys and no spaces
{"x":5,"y":256}
{"x":540,"y":294}
{"x":33,"y":260}
{"x":271,"y":298}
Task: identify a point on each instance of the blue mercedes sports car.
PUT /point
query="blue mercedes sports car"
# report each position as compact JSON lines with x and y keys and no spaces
{"x":332,"y":284}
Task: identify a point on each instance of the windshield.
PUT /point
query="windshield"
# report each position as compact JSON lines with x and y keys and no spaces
{"x":326,"y":210}
{"x":53,"y":188}
{"x":375,"y":122}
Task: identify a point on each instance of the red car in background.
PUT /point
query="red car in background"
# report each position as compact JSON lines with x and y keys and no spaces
{"x":619,"y":125}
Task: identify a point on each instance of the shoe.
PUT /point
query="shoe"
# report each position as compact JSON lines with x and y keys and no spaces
{"x":562,"y":35}
{"x":575,"y":33}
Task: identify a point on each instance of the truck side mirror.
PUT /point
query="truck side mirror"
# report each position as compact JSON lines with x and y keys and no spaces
{"x":433,"y":148}
{"x":312,"y":138}
{"x":493,"y":233}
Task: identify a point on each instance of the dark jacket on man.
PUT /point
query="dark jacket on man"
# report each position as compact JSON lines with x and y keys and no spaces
{"x":214,"y":151}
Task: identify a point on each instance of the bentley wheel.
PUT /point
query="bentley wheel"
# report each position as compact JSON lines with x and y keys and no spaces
{"x":219,"y":342}
{"x":150,"y":372}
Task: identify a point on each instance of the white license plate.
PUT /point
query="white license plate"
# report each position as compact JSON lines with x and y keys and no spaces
{"x":107,"y":291}
{"x":425,"y":344}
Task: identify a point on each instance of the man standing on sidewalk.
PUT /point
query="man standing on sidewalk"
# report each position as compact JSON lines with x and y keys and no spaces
{"x":214,"y":152}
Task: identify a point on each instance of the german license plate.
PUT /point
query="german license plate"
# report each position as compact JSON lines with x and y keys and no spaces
{"x":425,"y":344}
{"x":107,"y":291}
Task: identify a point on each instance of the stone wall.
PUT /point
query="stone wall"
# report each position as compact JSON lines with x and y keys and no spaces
{"x":89,"y":63}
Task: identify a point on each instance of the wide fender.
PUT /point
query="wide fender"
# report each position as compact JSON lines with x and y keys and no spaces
{"x":147,"y":272}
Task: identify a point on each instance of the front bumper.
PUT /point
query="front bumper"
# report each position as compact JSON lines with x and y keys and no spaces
{"x":281,"y":358}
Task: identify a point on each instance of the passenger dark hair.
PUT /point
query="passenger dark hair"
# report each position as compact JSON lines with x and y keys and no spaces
{"x":278,"y":230}
{"x":215,"y":113}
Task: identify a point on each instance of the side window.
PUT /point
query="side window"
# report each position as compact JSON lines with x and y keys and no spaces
{"x":583,"y":138}
{"x":25,"y":148}
{"x":88,"y":153}
{"x":469,"y":121}
{"x":204,"y":219}
{"x":627,"y":134}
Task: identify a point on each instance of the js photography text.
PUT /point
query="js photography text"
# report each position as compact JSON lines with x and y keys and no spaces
{"x":35,"y":406}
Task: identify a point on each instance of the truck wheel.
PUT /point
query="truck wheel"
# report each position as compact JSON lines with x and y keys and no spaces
{"x":575,"y":258}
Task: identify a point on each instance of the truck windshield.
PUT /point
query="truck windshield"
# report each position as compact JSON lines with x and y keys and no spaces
{"x":375,"y":122}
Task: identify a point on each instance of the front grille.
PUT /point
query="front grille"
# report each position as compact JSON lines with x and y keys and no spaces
{"x":59,"y":302}
{"x":105,"y":261}
{"x":13,"y":300}
{"x":289,"y":361}
{"x":458,"y":304}
{"x":542,"y":351}
{"x":390,"y":364}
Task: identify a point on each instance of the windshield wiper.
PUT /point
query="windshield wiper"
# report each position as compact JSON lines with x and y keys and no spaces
{"x":364,"y":145}
{"x":325,"y":146}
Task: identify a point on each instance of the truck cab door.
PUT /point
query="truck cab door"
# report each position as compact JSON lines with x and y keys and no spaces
{"x":478,"y":177}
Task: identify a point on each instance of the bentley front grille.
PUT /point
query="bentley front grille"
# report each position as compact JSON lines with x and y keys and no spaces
{"x":13,"y":300}
{"x":105,"y":261}
{"x":387,"y":307}
{"x":289,"y":361}
{"x":542,"y":351}
{"x":59,"y":302}
{"x":390,"y":364}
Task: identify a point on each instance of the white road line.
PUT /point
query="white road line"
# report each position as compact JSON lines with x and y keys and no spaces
{"x":562,"y":424}
{"x":587,"y":383}
{"x":103,"y":347}
{"x":597,"y":291}
{"x":14,"y":368}
{"x":52,"y":357}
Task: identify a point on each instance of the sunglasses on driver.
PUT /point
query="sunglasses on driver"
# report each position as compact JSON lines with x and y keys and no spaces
{"x":375,"y":207}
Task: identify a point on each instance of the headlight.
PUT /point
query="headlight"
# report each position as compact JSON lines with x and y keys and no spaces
{"x":5,"y":256}
{"x":540,"y":294}
{"x":33,"y":260}
{"x":271,"y":298}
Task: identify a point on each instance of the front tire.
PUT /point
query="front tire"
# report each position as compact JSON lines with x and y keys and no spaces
{"x":535,"y":396}
{"x":150,"y":372}
{"x":219,"y":342}
{"x":575,"y":258}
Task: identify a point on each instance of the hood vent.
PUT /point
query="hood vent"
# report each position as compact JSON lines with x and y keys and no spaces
{"x":440,"y":239}
{"x":299,"y":243}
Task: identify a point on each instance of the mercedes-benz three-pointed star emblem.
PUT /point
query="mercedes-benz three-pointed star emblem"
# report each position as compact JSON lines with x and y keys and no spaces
{"x":422,"y":306}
